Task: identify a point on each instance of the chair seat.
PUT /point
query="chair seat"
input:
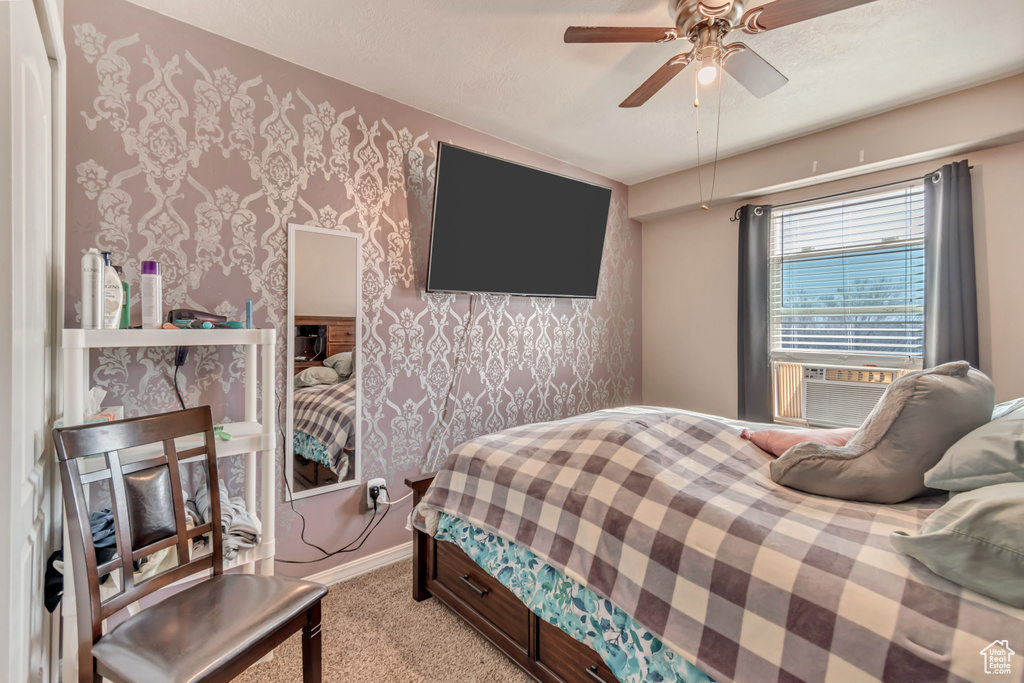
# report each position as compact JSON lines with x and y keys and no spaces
{"x":189,"y":635}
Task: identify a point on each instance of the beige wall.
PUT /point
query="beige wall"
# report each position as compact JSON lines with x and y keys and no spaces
{"x":325,"y":274}
{"x":690,"y":285}
{"x":978,"y":118}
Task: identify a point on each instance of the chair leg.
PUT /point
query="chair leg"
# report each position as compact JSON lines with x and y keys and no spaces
{"x":311,"y":660}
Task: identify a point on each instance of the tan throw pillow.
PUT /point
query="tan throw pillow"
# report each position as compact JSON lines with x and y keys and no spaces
{"x":917,"y":419}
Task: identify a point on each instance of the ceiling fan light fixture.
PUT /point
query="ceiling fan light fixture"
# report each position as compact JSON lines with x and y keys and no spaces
{"x":708,"y":72}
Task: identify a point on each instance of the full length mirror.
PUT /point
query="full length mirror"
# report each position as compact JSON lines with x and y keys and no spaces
{"x":324,"y":323}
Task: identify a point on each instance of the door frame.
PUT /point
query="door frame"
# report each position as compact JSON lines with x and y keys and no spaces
{"x":20,"y":666}
{"x":51,"y":17}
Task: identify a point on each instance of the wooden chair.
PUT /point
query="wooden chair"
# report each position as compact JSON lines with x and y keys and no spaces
{"x":210,"y":631}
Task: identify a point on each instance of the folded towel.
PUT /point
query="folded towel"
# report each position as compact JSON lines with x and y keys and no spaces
{"x":241,"y":530}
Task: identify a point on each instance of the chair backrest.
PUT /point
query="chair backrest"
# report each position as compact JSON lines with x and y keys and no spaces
{"x":146,"y":500}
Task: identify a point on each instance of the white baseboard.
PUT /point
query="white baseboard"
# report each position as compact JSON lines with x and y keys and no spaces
{"x":352,"y":569}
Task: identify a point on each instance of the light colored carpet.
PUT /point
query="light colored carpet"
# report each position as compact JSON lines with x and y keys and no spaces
{"x":374,"y":631}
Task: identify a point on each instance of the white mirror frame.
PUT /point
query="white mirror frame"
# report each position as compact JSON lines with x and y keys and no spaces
{"x":289,"y":459}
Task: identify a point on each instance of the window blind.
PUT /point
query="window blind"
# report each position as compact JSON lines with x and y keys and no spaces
{"x":847,"y":276}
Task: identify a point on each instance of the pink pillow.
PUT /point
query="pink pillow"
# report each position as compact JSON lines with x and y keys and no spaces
{"x":778,"y":441}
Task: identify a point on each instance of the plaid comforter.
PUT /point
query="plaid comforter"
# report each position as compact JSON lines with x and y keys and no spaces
{"x":327,"y":413}
{"x":673,"y":517}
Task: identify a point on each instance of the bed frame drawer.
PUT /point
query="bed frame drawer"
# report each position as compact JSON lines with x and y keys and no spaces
{"x":342,"y":331}
{"x":483,"y":593}
{"x":540,"y":649}
{"x":570,"y":659}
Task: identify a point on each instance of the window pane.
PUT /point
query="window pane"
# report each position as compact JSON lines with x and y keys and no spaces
{"x":847,"y":277}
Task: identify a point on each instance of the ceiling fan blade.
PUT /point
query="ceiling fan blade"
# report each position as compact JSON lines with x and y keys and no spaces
{"x":657,"y":81}
{"x":786,"y":12}
{"x":619,"y":34}
{"x":752,"y":71}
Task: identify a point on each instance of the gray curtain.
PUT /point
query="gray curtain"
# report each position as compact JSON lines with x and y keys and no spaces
{"x":950,"y":295}
{"x":755,"y":381}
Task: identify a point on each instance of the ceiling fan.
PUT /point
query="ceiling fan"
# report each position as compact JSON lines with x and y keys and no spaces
{"x":706,"y":26}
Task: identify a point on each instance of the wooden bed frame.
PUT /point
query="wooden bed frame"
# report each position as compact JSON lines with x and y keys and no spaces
{"x":340,"y":335}
{"x":443,"y":571}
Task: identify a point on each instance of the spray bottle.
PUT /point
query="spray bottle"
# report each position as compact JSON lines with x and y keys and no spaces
{"x":92,"y":290}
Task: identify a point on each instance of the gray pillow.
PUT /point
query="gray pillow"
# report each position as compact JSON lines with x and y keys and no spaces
{"x":975,"y":540}
{"x":310,"y":377}
{"x":918,"y":418}
{"x":991,"y":454}
{"x":342,"y":364}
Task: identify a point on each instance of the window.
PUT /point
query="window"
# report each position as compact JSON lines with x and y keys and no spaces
{"x":847,"y":279}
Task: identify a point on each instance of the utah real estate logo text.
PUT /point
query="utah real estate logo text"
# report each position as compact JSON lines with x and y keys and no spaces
{"x":997,"y":657}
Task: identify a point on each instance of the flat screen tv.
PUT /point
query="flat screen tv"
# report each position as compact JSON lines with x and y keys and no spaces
{"x":504,"y":228}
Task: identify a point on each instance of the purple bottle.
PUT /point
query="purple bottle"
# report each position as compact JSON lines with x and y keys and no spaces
{"x":152,"y":295}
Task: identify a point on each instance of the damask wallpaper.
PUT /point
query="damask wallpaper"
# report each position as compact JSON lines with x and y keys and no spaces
{"x":192,"y":150}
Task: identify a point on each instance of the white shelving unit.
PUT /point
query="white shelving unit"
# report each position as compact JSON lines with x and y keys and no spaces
{"x":248,"y":438}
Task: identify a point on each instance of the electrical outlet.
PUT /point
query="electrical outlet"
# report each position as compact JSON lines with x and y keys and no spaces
{"x":379,"y":487}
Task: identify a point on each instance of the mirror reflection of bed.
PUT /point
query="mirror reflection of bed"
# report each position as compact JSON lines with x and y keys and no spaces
{"x":322,"y":450}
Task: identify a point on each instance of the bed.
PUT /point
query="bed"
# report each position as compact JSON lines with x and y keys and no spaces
{"x":323,"y":430}
{"x":324,"y":425}
{"x":531,"y":535}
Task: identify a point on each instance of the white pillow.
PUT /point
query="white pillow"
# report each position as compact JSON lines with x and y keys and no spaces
{"x":975,"y":540}
{"x":311,"y":377}
{"x":991,"y":454}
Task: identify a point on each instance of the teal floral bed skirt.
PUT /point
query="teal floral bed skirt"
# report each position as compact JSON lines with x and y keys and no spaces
{"x":630,"y":651}
{"x":310,"y":448}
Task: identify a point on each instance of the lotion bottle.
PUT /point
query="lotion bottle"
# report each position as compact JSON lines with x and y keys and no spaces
{"x":126,"y":303}
{"x":152,"y":295}
{"x":113,"y":295}
{"x":92,"y":290}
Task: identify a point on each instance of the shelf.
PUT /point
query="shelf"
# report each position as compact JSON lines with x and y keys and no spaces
{"x":94,"y":339}
{"x":246,"y":437}
{"x":264,"y":551}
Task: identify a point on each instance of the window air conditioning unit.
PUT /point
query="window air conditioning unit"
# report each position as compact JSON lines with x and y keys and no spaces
{"x":842,"y":397}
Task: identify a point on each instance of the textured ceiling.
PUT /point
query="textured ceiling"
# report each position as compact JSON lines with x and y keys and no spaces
{"x":500,"y":66}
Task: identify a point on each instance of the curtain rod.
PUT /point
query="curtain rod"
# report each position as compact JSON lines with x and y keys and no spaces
{"x":736,"y":216}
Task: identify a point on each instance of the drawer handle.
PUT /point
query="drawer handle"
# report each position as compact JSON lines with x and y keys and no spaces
{"x":592,"y":672}
{"x":479,"y":591}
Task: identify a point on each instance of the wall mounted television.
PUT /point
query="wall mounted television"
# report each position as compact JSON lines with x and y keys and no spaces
{"x":505,"y":228}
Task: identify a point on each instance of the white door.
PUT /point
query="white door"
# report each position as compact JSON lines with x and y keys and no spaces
{"x":26,"y":341}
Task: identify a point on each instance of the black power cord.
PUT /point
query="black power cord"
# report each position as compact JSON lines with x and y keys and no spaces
{"x":180,"y":356}
{"x":347,"y":548}
{"x":179,"y":359}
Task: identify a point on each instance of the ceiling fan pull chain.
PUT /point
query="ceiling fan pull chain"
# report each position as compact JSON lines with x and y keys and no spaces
{"x":696,"y":114}
{"x":718,"y":136}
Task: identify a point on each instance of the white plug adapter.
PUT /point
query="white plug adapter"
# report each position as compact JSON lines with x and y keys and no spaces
{"x":378,"y":486}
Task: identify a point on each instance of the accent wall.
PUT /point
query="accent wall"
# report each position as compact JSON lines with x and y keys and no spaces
{"x":195,"y":151}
